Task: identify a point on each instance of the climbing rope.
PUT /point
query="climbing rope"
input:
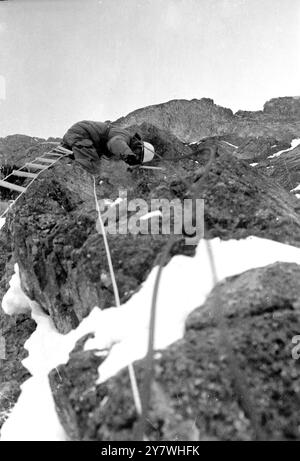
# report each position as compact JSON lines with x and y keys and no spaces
{"x":42,"y":167}
{"x":146,"y":386}
{"x":236,"y":373}
{"x":142,"y":404}
{"x":134,"y":387}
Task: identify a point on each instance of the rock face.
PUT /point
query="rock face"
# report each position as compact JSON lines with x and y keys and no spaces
{"x":288,"y":107}
{"x":51,"y":233}
{"x":196,"y":119}
{"x":181,"y":118}
{"x":15,"y":331}
{"x":60,"y":253}
{"x":16,"y":149}
{"x":192,"y":393}
{"x":286,"y":168}
{"x":62,"y":257}
{"x":259,"y":148}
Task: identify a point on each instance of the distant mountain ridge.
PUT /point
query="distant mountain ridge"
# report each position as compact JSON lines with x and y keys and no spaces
{"x":253,"y":134}
{"x":200,"y":118}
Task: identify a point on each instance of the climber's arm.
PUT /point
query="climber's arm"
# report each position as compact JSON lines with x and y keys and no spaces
{"x":119,"y":147}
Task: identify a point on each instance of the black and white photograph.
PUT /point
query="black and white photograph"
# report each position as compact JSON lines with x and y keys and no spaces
{"x":149,"y":226}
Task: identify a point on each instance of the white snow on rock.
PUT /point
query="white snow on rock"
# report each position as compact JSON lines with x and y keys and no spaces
{"x":42,"y":423}
{"x":185,"y":284}
{"x":295,"y":143}
{"x":15,"y":301}
{"x":253,"y":164}
{"x":2,"y":222}
{"x":295,"y":188}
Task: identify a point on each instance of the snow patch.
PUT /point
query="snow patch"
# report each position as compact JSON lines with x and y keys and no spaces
{"x":15,"y":301}
{"x":42,"y":423}
{"x":253,"y":164}
{"x":186,"y":282}
{"x":295,"y":188}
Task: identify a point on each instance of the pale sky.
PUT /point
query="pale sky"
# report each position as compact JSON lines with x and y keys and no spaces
{"x":66,"y":60}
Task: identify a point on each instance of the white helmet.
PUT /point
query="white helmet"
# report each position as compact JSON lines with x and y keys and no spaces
{"x":149,"y":152}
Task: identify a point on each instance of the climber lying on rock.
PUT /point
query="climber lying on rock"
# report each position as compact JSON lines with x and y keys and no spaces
{"x":91,"y":140}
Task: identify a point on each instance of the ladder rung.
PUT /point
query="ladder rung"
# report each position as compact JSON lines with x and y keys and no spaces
{"x":9,"y":185}
{"x":152,"y":168}
{"x":63,"y":149}
{"x":53,"y":154}
{"x":24,"y":174}
{"x":43,"y":159}
{"x":50,"y":142}
{"x":38,"y":166}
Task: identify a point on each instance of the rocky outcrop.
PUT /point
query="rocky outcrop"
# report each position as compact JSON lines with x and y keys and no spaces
{"x":51,"y":233}
{"x":62,"y":258}
{"x":15,"y":331}
{"x":18,"y":148}
{"x":192,"y":397}
{"x":196,"y":119}
{"x":282,"y":108}
{"x":259,"y":148}
{"x":254,"y":149}
{"x":60,"y":254}
{"x":188,"y":120}
{"x":285,"y":107}
{"x":286,"y":169}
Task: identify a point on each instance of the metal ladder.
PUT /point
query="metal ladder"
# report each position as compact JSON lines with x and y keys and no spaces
{"x":36,"y":167}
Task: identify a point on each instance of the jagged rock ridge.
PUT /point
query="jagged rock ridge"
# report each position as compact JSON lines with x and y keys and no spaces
{"x":195,"y":119}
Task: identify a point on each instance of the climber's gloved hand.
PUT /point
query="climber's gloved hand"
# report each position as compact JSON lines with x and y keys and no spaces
{"x":133,"y":159}
{"x":137,"y":149}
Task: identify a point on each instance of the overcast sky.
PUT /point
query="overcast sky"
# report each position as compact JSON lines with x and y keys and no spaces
{"x":66,"y":60}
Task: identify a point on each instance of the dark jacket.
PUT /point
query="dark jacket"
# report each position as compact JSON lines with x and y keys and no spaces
{"x":90,"y":140}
